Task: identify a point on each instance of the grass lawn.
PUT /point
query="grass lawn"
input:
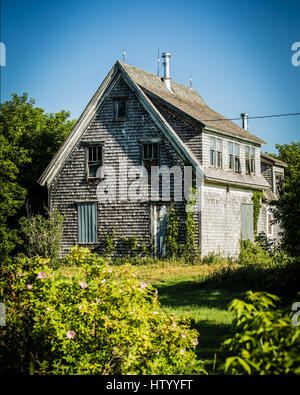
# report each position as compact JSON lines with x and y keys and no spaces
{"x":181,"y":292}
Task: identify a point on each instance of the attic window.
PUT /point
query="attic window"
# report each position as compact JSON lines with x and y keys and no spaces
{"x":94,"y":159}
{"x":150,"y":156}
{"x":121,"y":108}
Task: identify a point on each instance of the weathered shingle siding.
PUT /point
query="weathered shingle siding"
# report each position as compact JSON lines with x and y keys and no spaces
{"x":121,"y":141}
{"x":221,"y":219}
{"x":190,"y":134}
{"x":266,"y":171}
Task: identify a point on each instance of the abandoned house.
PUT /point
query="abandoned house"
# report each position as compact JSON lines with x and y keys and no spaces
{"x":141,"y":119}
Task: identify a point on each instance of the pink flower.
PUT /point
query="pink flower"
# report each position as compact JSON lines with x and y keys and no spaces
{"x":41,"y":275}
{"x":143,"y":285}
{"x":71,"y":334}
{"x":182,"y":335}
{"x":182,"y":351}
{"x":29,"y":286}
{"x":103,"y":281}
{"x":109,"y":270}
{"x":83,"y":285}
{"x":48,"y":309}
{"x":19,"y":274}
{"x":155,"y":312}
{"x":195,"y":342}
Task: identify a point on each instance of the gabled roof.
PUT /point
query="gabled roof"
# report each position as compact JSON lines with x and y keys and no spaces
{"x":272,"y":160}
{"x":187,"y":101}
{"x":88,"y":114}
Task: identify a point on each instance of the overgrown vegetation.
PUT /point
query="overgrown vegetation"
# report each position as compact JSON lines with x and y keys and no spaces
{"x":42,"y":235}
{"x":172,"y":232}
{"x":265,"y":340}
{"x":256,"y":198}
{"x":110,"y":323}
{"x":28,"y":140}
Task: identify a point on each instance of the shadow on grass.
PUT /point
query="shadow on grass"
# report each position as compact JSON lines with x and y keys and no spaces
{"x":209,"y":309}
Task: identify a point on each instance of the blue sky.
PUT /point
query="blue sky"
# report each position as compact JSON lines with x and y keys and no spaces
{"x":238,"y":52}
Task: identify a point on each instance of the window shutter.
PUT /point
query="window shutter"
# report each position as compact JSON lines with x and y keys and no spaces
{"x":247,"y":222}
{"x":87,"y":223}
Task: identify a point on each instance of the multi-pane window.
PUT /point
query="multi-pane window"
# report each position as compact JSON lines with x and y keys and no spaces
{"x":94,"y":160}
{"x":234,"y":157}
{"x":212,"y":154}
{"x":150,"y":156}
{"x":219,"y":153}
{"x":230,"y":156}
{"x":87,"y":222}
{"x":250,"y":159}
{"x":237,"y":162}
{"x":121,"y":108}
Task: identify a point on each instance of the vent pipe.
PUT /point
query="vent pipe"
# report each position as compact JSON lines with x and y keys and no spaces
{"x":166,"y":78}
{"x":245,"y":121}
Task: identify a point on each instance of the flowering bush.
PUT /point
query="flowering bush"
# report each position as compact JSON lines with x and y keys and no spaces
{"x":108,"y":323}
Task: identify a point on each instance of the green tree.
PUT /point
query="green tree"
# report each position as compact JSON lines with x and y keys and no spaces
{"x":28,"y":140}
{"x":287,"y":208}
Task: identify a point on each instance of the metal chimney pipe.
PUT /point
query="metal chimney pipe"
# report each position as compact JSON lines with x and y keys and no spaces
{"x":166,"y":78}
{"x":245,"y":121}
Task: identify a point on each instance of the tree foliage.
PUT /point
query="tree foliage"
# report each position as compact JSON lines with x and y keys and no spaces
{"x":287,"y":210}
{"x":28,"y":140}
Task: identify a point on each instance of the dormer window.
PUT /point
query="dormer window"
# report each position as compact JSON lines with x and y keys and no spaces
{"x":212,"y":154}
{"x":237,"y":162}
{"x":121,"y":108}
{"x":216,"y":152}
{"x":219,"y":158}
{"x":250,"y":159}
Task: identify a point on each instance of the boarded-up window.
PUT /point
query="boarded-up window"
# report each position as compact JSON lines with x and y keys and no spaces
{"x":159,"y":229}
{"x":247,"y":232}
{"x":87,"y":223}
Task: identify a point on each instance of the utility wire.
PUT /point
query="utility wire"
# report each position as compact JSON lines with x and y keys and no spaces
{"x":254,"y":117}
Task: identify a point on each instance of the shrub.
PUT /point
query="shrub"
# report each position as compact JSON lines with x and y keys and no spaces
{"x":109,"y":246}
{"x":265,"y":341}
{"x":131,"y":246}
{"x":42,"y":235}
{"x":109,"y":323}
{"x":252,"y":254}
